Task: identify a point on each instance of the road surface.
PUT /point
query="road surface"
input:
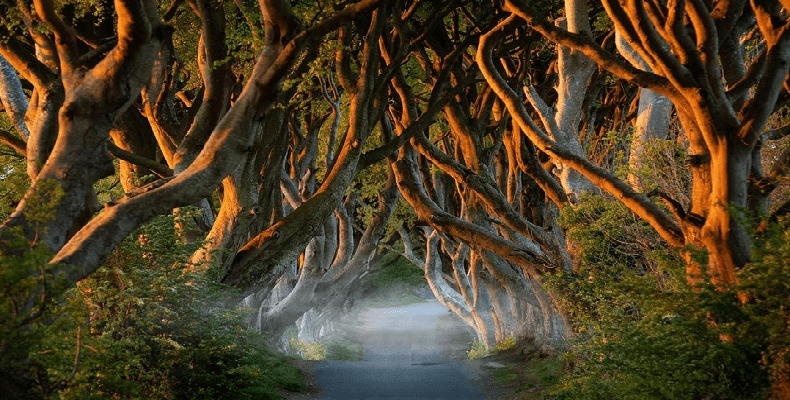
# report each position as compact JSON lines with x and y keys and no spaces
{"x":410,"y":352}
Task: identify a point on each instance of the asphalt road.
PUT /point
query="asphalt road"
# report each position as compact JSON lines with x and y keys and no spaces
{"x":410,"y":352}
{"x":377,"y":380}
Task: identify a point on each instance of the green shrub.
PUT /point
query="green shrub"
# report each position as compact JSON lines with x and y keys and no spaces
{"x":309,"y":350}
{"x":397,"y":271}
{"x":506,"y":344}
{"x":480,"y":349}
{"x":343,"y":349}
{"x":145,"y":325}
{"x":644,"y":333}
{"x":332,"y":349}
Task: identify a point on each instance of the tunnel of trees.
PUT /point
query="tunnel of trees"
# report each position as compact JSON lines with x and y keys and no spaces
{"x":296,"y":144}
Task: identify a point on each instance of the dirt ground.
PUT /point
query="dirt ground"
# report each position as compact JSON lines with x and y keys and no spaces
{"x":427,"y":332}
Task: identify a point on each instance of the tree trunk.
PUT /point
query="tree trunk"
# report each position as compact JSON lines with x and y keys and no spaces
{"x":575,"y":71}
{"x":652,"y":120}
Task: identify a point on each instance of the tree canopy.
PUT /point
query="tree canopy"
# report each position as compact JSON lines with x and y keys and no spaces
{"x":311,"y":138}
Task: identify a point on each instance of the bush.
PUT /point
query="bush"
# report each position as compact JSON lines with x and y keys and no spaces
{"x":332,"y":349}
{"x":149,"y":325}
{"x":480,"y":349}
{"x":644,"y":333}
{"x":309,"y":350}
{"x":343,"y":349}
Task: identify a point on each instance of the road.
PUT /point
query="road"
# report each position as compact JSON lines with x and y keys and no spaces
{"x":410,"y":352}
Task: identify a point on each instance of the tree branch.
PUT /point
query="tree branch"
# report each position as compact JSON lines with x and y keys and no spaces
{"x":477,"y":237}
{"x":215,"y":73}
{"x":13,"y":141}
{"x":160,"y":169}
{"x":753,"y":75}
{"x":595,"y":52}
{"x":13,"y":97}
{"x":139,"y":36}
{"x":761,"y":107}
{"x":65,"y":38}
{"x":25,"y":63}
{"x":638,"y":203}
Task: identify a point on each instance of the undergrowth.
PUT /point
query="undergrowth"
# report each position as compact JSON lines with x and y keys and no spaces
{"x":645,"y":333}
{"x":145,"y":325}
{"x":480,"y":349}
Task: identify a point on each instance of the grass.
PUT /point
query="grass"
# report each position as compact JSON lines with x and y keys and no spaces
{"x":332,"y":349}
{"x":343,"y":349}
{"x":530,"y":372}
{"x":504,"y":375}
{"x":480,"y":349}
{"x":546,"y":371}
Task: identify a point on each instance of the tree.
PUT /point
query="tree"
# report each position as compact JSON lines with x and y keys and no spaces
{"x":469,"y":186}
{"x":683,"y":43}
{"x":83,"y":91}
{"x":486,"y":129}
{"x":694,"y":54}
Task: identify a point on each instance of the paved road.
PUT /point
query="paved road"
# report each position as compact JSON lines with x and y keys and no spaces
{"x":411,"y":352}
{"x":374,"y":380}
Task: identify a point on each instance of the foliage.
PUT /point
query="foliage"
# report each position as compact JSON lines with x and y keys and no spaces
{"x":332,"y":349}
{"x":309,"y":350}
{"x":480,"y":349}
{"x":146,"y":325}
{"x":25,"y":277}
{"x":767,"y":314}
{"x":15,"y":180}
{"x":506,"y":344}
{"x":663,"y":167}
{"x":546,"y":370}
{"x":343,"y":349}
{"x":648,"y":334}
{"x":397,"y":270}
{"x":27,"y":282}
{"x":394,"y":284}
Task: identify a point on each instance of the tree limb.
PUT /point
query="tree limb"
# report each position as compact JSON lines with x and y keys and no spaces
{"x":777,"y":61}
{"x":595,"y":52}
{"x":65,"y":38}
{"x":158,"y":168}
{"x":13,"y":141}
{"x":638,"y":203}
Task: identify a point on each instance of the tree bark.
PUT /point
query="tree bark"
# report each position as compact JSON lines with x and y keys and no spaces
{"x":652,"y":120}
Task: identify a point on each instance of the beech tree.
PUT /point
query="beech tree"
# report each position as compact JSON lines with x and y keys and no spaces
{"x":83,"y":89}
{"x":483,"y":138}
{"x":281,"y":233}
{"x":692,"y":55}
{"x":489,"y":234}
